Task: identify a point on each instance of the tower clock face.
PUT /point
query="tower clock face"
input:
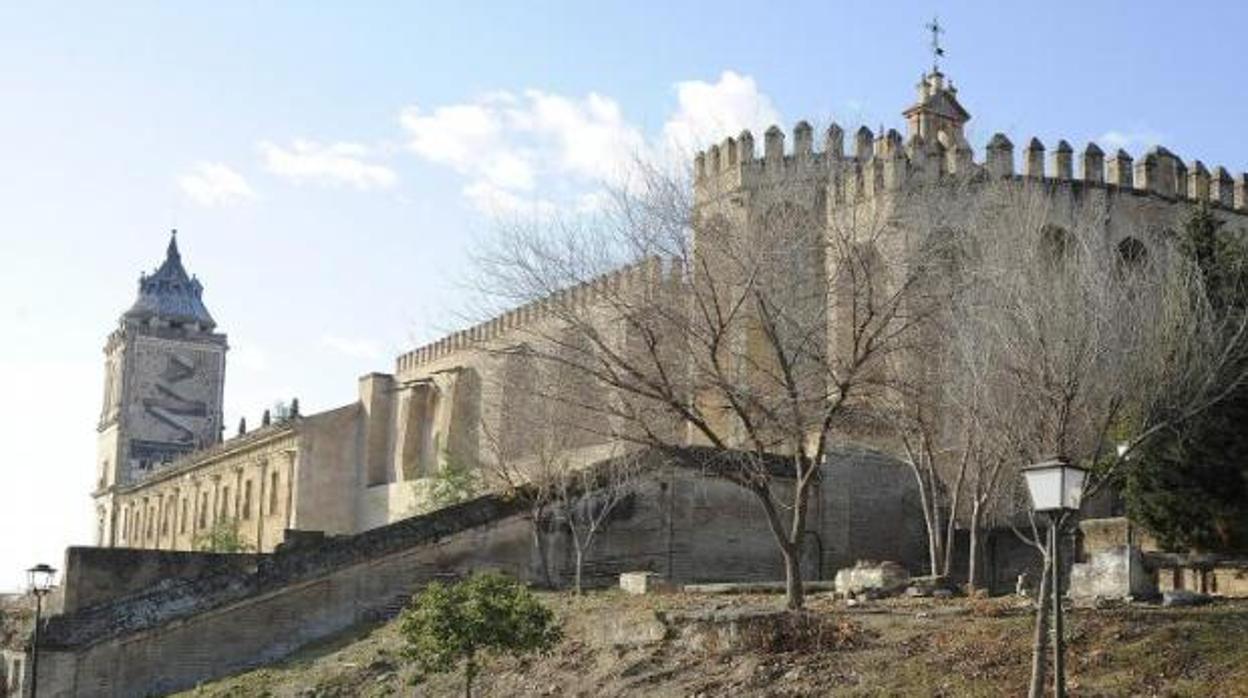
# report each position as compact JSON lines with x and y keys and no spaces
{"x":175,"y":395}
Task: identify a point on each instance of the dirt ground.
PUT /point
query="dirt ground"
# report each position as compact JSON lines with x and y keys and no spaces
{"x":615,"y":645}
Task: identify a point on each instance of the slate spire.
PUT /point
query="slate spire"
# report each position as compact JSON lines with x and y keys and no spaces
{"x":170,"y":294}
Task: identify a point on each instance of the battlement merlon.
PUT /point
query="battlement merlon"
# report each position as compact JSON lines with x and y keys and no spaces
{"x":882,"y":162}
{"x":649,"y":275}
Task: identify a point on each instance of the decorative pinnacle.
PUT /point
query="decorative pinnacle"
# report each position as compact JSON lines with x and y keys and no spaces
{"x":937,"y":52}
{"x":172,"y":251}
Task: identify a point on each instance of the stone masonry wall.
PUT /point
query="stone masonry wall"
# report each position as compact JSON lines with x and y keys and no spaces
{"x":682,"y":524}
{"x":98,"y":575}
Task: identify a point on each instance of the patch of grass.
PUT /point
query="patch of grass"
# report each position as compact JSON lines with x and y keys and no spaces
{"x":966,"y":647}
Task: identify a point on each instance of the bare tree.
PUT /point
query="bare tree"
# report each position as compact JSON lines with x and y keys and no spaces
{"x":916,"y":432}
{"x":531,"y":480}
{"x":586,"y":498}
{"x":1072,"y":342}
{"x":558,"y":490}
{"x":1090,"y":342}
{"x":763,"y":335}
{"x":533,"y":453}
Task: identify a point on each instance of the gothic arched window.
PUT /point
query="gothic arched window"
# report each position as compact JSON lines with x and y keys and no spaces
{"x":1056,"y":245}
{"x":1132,"y":254}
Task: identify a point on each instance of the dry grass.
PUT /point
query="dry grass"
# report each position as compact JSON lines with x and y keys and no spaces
{"x":902,"y":647}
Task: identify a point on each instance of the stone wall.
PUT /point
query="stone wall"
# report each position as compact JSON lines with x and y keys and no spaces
{"x":97,"y":575}
{"x":1112,"y":573}
{"x":680,"y":523}
{"x":1121,"y":559}
{"x":327,"y":471}
{"x":245,"y":481}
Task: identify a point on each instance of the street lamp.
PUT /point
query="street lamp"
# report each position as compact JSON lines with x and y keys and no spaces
{"x":39,"y":582}
{"x":1056,"y":488}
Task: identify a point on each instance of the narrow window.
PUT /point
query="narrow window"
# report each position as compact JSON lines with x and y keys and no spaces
{"x":225,"y":502}
{"x":247,"y":499}
{"x":203,"y":510}
{"x":273,"y":493}
{"x":182,"y":518}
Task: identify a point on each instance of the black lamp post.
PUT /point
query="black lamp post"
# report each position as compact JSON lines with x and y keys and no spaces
{"x":1056,"y":488}
{"x":39,"y":582}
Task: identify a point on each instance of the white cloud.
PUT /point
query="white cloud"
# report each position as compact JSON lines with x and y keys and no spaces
{"x":590,"y":136}
{"x":709,"y":112}
{"x":329,"y":164}
{"x":215,"y":184}
{"x":497,"y":201}
{"x":508,"y":145}
{"x":460,"y":135}
{"x":1130,"y":139}
{"x":355,"y":348}
{"x":510,"y":170}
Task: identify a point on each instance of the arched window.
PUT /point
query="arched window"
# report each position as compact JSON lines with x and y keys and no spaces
{"x":1132,"y":254}
{"x":1056,"y":245}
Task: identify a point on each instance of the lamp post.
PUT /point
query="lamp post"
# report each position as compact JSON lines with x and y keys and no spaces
{"x":39,"y":582}
{"x":1056,"y":488}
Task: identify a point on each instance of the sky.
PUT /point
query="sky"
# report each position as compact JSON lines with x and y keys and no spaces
{"x":331,"y":166}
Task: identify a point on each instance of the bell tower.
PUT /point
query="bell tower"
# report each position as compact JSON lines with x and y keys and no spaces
{"x":164,"y":370}
{"x":937,"y":115}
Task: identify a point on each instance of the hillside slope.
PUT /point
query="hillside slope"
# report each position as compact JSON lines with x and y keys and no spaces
{"x":686,"y":645}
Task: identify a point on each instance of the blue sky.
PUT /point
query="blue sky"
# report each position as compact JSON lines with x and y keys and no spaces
{"x":330,"y":166}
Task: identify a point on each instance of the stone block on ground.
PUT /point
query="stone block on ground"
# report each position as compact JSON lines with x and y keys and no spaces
{"x":811,"y":587}
{"x":1183,"y":597}
{"x":627,"y":630}
{"x":644,"y":583}
{"x":925,"y":586}
{"x":1111,"y":573}
{"x":874,"y":578}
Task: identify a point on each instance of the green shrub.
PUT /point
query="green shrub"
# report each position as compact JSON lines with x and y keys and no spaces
{"x":223,"y":537}
{"x":489,"y":613}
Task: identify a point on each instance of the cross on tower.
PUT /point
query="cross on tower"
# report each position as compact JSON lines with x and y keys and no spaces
{"x":937,"y":52}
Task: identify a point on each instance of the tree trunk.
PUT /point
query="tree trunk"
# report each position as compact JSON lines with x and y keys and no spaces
{"x":792,"y":551}
{"x":539,"y":545}
{"x":937,"y":525}
{"x":972,"y":561}
{"x":580,"y":558}
{"x":1038,"y":643}
{"x":794,"y":590}
{"x":470,"y":671}
{"x":951,"y":524}
{"x":926,"y":501}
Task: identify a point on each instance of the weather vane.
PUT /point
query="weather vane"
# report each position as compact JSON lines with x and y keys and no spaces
{"x":937,"y":52}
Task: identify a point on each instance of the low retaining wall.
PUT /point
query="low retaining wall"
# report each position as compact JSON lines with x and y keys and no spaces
{"x":179,"y":634}
{"x":97,"y":575}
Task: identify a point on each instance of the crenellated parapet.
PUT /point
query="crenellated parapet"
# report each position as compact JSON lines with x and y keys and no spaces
{"x":876,"y":163}
{"x":869,"y":164}
{"x":647,"y":276}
